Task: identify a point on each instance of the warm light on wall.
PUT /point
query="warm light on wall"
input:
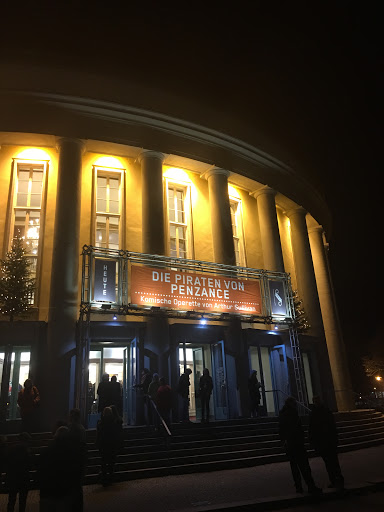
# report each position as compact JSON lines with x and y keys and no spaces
{"x":33,"y":154}
{"x":109,"y":161}
{"x":177,"y":175}
{"x":232,"y":192}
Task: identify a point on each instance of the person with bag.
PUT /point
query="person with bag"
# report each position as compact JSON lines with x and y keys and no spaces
{"x":28,"y":401}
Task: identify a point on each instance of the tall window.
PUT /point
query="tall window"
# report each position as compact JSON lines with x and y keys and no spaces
{"x":177,"y":215}
{"x":27,"y":208}
{"x":237,"y":230}
{"x":108,"y":209}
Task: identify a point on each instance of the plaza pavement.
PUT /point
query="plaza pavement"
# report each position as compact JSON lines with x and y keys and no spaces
{"x":267,"y":487}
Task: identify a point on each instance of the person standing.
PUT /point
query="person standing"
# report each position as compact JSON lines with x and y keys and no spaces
{"x":104,"y":393}
{"x":145,"y":381}
{"x":205,"y":391}
{"x":292,"y":435}
{"x":17,"y":466}
{"x":116,"y":395}
{"x":183,"y":391}
{"x":152,"y":392}
{"x":254,"y":394}
{"x":108,"y":441}
{"x":323,"y":437}
{"x":164,"y":401}
{"x":28,"y":400}
{"x":61,"y":471}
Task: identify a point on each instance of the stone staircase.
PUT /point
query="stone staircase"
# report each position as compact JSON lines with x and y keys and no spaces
{"x":197,"y":447}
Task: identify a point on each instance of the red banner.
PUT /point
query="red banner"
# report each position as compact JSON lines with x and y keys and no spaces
{"x":194,"y":292}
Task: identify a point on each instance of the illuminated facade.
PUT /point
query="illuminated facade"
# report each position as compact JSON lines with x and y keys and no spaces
{"x":131,"y":183}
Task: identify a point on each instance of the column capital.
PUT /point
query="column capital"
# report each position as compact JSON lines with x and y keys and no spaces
{"x":299,"y":210}
{"x":215,"y":171}
{"x":148,"y":153}
{"x":60,"y":141}
{"x":263,"y":190}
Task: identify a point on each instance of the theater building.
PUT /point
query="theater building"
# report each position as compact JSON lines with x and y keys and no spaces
{"x":159,"y":242}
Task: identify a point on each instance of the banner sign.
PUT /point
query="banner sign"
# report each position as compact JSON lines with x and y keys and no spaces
{"x":278,"y":301}
{"x":105,"y":281}
{"x":193,"y":291}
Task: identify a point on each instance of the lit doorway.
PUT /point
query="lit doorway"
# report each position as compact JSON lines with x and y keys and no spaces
{"x":121,"y":362}
{"x":196,"y":358}
{"x":19,"y":372}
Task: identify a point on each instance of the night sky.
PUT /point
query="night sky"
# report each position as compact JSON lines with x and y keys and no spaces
{"x":311,"y":78}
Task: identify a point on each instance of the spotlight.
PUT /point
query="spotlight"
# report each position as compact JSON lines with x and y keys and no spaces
{"x":114,"y":317}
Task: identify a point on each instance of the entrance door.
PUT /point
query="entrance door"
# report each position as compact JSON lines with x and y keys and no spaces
{"x":219,"y":377}
{"x":279,"y":375}
{"x":14,"y":368}
{"x":111,"y":360}
{"x":132,"y":381}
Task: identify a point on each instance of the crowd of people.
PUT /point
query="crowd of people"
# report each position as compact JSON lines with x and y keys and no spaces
{"x":61,"y":467}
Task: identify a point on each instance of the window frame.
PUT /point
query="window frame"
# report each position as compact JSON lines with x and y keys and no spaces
{"x":186,"y":187}
{"x":12,"y":208}
{"x":240,"y":229}
{"x":108,"y":172}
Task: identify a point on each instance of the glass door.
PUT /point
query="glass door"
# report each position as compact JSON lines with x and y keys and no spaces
{"x":219,"y":377}
{"x":18,"y":373}
{"x":112,"y":361}
{"x":130,"y":402}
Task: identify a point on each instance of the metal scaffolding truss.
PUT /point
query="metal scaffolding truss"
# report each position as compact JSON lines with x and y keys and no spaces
{"x":124,"y":306}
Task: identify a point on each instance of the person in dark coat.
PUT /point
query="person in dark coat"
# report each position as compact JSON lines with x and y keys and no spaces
{"x":17,"y":477}
{"x":292,"y":435}
{"x":205,"y":391}
{"x":183,"y":391}
{"x":108,"y":441}
{"x":28,"y":400}
{"x":104,"y":393}
{"x":61,"y":472}
{"x":254,"y":394}
{"x":324,"y":439}
{"x":152,"y":392}
{"x":116,"y":395}
{"x":146,"y":379}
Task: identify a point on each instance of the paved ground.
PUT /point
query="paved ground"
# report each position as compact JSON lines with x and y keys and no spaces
{"x":270,"y":485}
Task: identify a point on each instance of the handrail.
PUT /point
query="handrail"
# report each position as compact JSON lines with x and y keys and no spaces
{"x":287,"y":395}
{"x":159,"y":415}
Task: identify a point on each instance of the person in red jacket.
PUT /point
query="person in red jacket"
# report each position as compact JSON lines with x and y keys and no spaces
{"x":28,"y":400}
{"x":164,"y":401}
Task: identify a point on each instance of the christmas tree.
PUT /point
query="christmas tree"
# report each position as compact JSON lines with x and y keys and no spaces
{"x":16,"y":285}
{"x":301,"y":321}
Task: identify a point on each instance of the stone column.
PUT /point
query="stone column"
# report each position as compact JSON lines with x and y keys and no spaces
{"x":153,"y":235}
{"x":222,"y":236}
{"x":305,"y":274}
{"x":153,"y":242}
{"x":63,"y":305}
{"x":333,"y":335}
{"x":269,"y":229}
{"x":224,"y":252}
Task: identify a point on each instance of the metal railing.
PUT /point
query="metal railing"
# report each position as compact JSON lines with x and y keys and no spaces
{"x":300,"y":405}
{"x":162,"y":421}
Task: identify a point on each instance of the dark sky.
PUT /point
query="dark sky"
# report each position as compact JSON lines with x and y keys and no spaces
{"x":311,"y":77}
